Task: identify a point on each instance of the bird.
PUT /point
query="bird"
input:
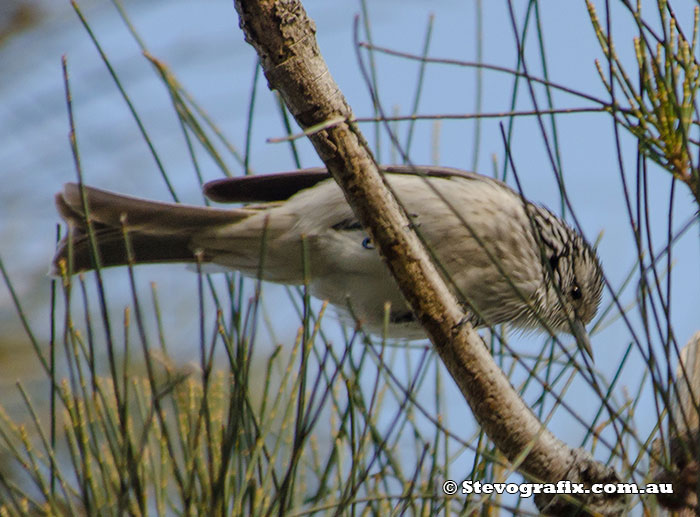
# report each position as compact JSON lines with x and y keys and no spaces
{"x":508,"y":260}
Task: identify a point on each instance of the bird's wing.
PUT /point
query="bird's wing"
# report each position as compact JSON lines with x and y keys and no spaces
{"x":281,"y":186}
{"x":265,"y":187}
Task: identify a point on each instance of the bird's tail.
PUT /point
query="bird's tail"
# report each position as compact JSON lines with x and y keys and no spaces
{"x":129,"y":228}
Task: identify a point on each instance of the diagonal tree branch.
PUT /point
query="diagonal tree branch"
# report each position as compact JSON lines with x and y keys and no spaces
{"x":284,"y":38}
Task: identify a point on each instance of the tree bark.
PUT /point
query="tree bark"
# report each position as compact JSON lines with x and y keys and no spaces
{"x":284,"y":38}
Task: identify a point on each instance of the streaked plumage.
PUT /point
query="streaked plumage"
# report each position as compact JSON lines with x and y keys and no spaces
{"x":471,"y":223}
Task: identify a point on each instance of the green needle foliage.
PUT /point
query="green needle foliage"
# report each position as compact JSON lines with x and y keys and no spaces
{"x":661,"y":110}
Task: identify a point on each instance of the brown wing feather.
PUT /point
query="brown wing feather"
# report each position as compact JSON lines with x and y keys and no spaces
{"x":265,"y":187}
{"x":281,"y":186}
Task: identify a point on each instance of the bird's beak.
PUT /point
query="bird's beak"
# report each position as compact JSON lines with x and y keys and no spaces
{"x":578,"y":329}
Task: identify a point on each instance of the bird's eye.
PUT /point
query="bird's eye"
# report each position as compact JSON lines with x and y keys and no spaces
{"x":367,"y":244}
{"x":576,"y":293}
